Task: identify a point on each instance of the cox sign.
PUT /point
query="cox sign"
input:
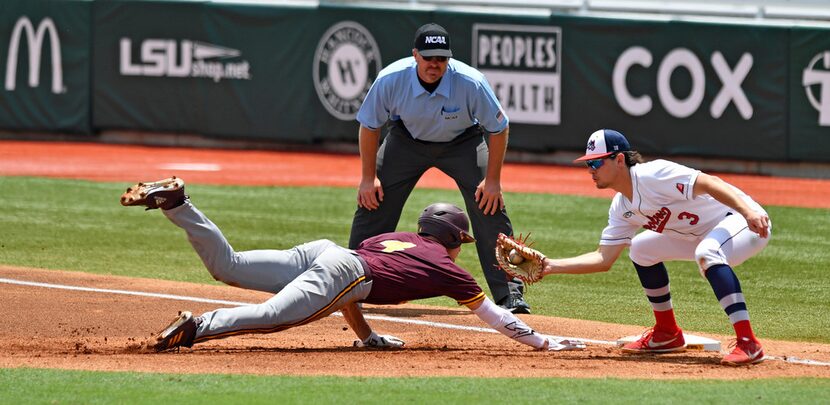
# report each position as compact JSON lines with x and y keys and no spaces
{"x":731,"y":79}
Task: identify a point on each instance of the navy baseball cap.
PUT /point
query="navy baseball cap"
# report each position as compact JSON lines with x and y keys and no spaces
{"x":433,"y":40}
{"x":603,"y":143}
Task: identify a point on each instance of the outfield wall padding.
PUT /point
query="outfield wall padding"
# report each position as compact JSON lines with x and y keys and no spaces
{"x":298,"y":74}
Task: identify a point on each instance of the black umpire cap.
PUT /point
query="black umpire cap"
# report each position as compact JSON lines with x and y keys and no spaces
{"x":433,"y":40}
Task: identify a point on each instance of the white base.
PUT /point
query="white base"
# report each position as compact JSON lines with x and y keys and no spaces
{"x":693,"y":342}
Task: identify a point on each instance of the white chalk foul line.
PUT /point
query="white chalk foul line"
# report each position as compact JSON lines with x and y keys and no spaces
{"x":797,"y":360}
{"x":122,"y":292}
{"x":787,"y":359}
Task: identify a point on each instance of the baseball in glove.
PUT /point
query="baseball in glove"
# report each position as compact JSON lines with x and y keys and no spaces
{"x":518,"y":259}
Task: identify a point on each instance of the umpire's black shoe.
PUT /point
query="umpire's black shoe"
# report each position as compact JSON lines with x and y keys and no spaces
{"x":165,"y":194}
{"x":180,"y":332}
{"x":514,"y":303}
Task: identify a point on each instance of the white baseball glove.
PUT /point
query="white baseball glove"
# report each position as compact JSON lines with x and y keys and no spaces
{"x":380,"y":341}
{"x":556,"y":344}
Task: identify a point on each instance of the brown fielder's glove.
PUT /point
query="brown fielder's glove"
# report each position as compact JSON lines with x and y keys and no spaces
{"x":518,"y":259}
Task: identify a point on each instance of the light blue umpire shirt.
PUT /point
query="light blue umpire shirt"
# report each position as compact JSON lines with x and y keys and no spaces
{"x":462,"y":99}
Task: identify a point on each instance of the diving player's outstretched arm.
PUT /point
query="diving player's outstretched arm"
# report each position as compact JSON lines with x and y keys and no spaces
{"x":511,"y":326}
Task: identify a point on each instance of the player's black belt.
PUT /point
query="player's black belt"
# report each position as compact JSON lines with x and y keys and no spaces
{"x":366,"y":270}
{"x":397,"y":127}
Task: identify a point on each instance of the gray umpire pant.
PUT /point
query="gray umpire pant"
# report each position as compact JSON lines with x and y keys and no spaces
{"x":401,"y":161}
{"x":310,"y":281}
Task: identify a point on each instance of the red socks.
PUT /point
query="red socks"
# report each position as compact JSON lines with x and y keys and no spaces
{"x":665,"y":321}
{"x":744,"y":329}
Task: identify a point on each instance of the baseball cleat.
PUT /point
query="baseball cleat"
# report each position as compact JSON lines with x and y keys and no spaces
{"x":515,"y":303}
{"x":180,"y":332}
{"x":657,"y":341}
{"x":746,"y":351}
{"x":164,"y":194}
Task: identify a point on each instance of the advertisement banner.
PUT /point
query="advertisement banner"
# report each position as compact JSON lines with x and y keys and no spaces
{"x":217,"y":70}
{"x":676,"y":88}
{"x":523,"y":65}
{"x":299,"y":74}
{"x":809,"y":135}
{"x":44,"y":65}
{"x":292,"y":74}
{"x":350,"y":46}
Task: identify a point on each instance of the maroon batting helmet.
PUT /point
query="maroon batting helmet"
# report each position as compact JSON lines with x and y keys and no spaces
{"x":447,"y":223}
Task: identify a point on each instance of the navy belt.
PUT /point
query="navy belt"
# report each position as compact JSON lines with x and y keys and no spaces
{"x":366,"y":270}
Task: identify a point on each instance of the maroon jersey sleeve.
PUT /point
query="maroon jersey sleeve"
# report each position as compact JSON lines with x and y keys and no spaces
{"x":406,"y":266}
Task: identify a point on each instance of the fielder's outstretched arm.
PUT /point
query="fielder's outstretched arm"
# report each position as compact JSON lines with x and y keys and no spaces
{"x":593,"y":262}
{"x":511,"y":326}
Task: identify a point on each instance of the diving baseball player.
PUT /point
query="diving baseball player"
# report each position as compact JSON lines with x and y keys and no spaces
{"x":687,"y":215}
{"x":312,"y":280}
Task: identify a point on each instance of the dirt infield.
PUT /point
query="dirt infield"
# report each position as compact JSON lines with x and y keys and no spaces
{"x":87,"y":330}
{"x":96,"y":330}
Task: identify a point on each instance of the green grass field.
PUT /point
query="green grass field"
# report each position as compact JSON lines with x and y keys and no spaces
{"x":80,"y":226}
{"x":54,"y":386}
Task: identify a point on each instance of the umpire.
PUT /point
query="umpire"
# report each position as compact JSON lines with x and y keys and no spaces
{"x":439,"y":112}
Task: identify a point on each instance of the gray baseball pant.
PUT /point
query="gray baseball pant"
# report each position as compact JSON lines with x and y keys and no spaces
{"x":310,"y":281}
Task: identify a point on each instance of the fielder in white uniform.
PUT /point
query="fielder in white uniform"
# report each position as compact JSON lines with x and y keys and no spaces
{"x":687,"y":215}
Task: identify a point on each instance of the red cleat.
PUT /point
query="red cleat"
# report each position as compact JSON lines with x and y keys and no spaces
{"x":657,"y":341}
{"x":746,"y":351}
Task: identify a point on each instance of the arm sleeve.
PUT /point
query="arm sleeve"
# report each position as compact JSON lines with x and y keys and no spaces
{"x":509,"y":325}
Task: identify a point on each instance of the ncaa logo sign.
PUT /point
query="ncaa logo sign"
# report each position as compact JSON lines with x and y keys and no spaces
{"x":346,"y":63}
{"x":817,"y":74}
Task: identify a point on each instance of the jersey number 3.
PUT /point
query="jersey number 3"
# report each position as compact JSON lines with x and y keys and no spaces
{"x":660,"y":218}
{"x":688,"y":215}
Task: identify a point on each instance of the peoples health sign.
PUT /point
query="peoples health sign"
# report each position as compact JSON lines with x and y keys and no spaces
{"x":523,"y":65}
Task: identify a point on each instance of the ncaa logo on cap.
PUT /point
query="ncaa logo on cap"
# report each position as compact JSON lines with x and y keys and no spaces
{"x":603,"y":143}
{"x":432,"y":40}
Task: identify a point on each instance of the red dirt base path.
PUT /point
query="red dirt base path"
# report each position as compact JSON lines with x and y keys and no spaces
{"x":87,"y":330}
{"x":81,"y":330}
